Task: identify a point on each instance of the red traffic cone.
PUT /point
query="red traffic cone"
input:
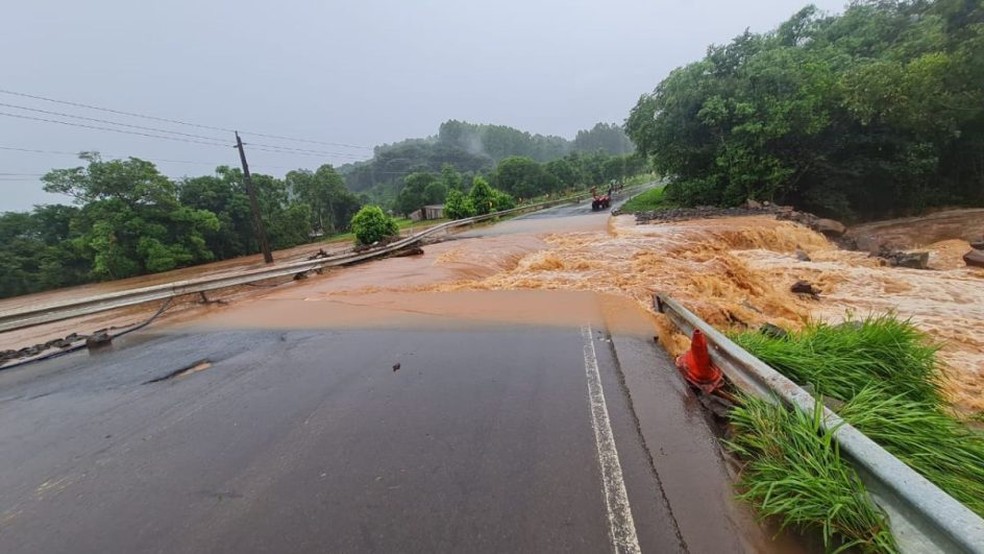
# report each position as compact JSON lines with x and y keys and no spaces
{"x":696,"y":365}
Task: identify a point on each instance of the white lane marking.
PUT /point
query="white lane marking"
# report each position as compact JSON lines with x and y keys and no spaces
{"x":621,"y":526}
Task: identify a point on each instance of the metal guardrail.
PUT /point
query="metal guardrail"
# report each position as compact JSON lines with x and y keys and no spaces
{"x":38,"y":315}
{"x":923,"y":518}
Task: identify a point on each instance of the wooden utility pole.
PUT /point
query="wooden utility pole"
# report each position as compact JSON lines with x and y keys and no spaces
{"x":254,"y":204}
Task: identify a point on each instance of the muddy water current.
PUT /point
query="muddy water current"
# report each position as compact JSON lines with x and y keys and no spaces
{"x":734,"y":272}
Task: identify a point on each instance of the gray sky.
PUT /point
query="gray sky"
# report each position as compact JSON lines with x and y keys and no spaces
{"x":359,"y":73}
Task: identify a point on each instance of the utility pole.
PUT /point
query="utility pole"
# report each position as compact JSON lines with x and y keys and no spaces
{"x":254,"y":204}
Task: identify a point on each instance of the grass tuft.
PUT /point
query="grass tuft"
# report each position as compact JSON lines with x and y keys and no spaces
{"x":794,"y":472}
{"x":843,"y":359}
{"x":926,"y":438}
{"x":650,"y":200}
{"x":884,"y":369}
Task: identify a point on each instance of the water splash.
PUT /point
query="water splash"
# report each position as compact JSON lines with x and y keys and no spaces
{"x":736,"y":273}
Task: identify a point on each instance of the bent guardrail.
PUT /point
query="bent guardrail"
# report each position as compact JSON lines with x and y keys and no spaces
{"x":22,"y":318}
{"x":923,"y":517}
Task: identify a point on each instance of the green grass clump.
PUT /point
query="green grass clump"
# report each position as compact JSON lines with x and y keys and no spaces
{"x":885,"y":370}
{"x":841,"y":360}
{"x":650,"y":200}
{"x":794,"y":472}
{"x":926,"y":438}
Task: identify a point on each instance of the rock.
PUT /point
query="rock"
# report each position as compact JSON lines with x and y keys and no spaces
{"x":829,"y":228}
{"x":774,"y":331}
{"x":802,"y":256}
{"x":99,"y":339}
{"x":804,"y":287}
{"x":913,"y":260}
{"x":869,"y":244}
{"x":898,"y":258}
{"x":974,"y":258}
{"x":409,"y":251}
{"x":979,"y":245}
{"x":752,"y":204}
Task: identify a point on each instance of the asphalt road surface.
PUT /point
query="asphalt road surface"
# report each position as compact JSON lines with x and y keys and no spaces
{"x":485,"y":438}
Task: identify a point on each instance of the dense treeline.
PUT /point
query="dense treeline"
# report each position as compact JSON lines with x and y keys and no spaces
{"x":132,"y":220}
{"x":518,"y":177}
{"x":878,"y":111}
{"x":472,"y":149}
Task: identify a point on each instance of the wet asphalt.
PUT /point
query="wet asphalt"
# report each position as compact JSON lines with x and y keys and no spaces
{"x":482,"y":439}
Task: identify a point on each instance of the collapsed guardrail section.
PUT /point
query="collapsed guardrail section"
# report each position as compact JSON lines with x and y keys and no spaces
{"x":19,"y":319}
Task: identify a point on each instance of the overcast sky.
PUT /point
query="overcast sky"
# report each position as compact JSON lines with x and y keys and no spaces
{"x":357,"y":73}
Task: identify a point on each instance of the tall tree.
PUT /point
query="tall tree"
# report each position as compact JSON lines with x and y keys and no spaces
{"x":133,"y":222}
{"x":875,"y":112}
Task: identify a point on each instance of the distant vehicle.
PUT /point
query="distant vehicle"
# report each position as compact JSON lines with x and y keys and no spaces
{"x":600,"y":201}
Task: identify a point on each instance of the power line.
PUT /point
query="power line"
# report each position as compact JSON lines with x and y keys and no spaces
{"x":156,"y":160}
{"x":264,"y":147}
{"x":178,"y":121}
{"x":60,"y":114}
{"x":286,"y":149}
{"x":19,"y":116}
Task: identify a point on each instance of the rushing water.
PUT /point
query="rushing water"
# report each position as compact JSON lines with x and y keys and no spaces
{"x":734,"y":272}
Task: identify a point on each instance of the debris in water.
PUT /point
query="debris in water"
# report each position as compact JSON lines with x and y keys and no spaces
{"x":805,"y":287}
{"x":97,"y":340}
{"x":409,"y":251}
{"x":802,"y":256}
{"x":974,"y":258}
{"x":396,"y":366}
{"x":911,"y":260}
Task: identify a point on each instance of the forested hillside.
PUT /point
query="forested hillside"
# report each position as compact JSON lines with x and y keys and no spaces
{"x":878,"y":111}
{"x":471,"y":149}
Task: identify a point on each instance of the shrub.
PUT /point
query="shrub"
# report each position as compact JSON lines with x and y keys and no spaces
{"x":457,"y":205}
{"x":482,"y":196}
{"x":502,"y":200}
{"x":370,"y":224}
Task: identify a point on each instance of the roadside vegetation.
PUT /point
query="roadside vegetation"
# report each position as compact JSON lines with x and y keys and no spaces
{"x":371,"y":225}
{"x":652,"y":199}
{"x":128,"y":219}
{"x":794,"y":472}
{"x":880,"y":375}
{"x":872,"y":113}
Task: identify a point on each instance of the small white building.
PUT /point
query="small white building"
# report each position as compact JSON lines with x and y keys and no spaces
{"x":435,"y":211}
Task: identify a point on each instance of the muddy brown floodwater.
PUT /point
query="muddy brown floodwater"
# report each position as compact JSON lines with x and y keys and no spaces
{"x":733,"y":272}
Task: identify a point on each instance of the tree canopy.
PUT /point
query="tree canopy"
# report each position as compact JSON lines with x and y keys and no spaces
{"x":874,"y":112}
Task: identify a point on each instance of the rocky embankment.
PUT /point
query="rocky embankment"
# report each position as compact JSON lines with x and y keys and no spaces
{"x":832,"y":229}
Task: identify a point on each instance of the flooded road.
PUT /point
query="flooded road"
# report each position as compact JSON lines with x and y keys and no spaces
{"x":334,"y":415}
{"x":734,"y":272}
